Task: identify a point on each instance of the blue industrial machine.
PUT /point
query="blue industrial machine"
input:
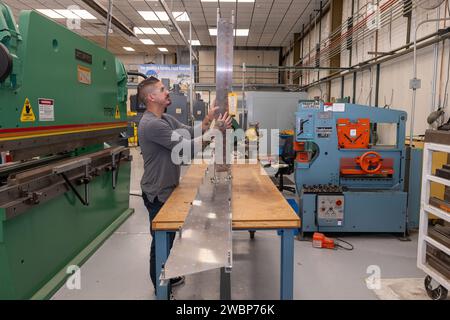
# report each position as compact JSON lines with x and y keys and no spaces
{"x":347,"y":183}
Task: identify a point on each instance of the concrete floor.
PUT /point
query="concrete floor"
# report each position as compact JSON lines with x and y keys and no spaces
{"x":119,"y":269}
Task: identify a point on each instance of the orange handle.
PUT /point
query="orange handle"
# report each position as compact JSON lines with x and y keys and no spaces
{"x":369,"y":159}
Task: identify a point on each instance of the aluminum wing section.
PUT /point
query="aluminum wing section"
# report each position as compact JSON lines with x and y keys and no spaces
{"x":205,"y":241}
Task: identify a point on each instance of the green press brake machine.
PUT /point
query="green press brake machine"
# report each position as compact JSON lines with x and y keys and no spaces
{"x":62,"y":122}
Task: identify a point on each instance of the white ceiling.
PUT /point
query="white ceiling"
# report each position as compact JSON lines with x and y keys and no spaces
{"x":271,"y":22}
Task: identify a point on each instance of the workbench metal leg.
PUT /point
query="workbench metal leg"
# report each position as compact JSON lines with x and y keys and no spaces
{"x":162,"y":252}
{"x":225,"y":284}
{"x":287,"y":265}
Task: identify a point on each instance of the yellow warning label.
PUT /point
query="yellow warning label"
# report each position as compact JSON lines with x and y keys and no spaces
{"x":27,"y":112}
{"x":117,"y":114}
{"x":84,"y":75}
{"x":232,"y":103}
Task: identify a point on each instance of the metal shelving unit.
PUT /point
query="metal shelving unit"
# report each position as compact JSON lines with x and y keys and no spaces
{"x":439,"y":291}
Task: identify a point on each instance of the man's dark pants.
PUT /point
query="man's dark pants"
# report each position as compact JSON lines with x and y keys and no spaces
{"x":153,"y":209}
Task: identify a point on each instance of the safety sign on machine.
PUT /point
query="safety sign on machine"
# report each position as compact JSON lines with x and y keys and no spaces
{"x":27,"y":114}
{"x":46,"y":109}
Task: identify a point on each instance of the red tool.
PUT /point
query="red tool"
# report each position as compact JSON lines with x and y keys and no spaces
{"x":320,"y":241}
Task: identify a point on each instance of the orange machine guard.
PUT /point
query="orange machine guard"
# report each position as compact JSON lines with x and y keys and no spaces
{"x":353,"y":135}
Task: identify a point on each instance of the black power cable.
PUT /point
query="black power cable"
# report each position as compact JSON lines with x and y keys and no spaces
{"x":338,"y":245}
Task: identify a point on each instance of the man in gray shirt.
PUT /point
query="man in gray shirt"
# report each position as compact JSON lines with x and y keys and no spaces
{"x":157,"y":138}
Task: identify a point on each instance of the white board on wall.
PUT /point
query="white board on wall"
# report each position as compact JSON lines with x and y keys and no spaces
{"x":273,"y":110}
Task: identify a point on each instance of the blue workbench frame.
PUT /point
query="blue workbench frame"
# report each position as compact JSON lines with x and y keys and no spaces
{"x":286,"y":260}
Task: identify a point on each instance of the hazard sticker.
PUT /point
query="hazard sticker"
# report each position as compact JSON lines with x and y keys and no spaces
{"x":46,"y":109}
{"x":117,"y":113}
{"x":84,"y":75}
{"x":27,"y":114}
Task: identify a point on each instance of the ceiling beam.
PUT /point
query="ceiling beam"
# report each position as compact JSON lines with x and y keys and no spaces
{"x":97,"y":7}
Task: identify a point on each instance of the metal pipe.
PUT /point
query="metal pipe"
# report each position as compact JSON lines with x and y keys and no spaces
{"x":392,"y":55}
{"x":414,"y":88}
{"x":296,"y":68}
{"x":318,"y":43}
{"x":435,"y":65}
{"x":134,"y":73}
{"x":174,"y":22}
{"x":108,"y":23}
{"x":309,"y":48}
{"x":352,"y":22}
{"x":291,"y":47}
{"x":191,"y":85}
{"x":377,"y":84}
{"x":302,"y":42}
{"x":354,"y":31}
{"x":244,"y":112}
{"x":357,"y":32}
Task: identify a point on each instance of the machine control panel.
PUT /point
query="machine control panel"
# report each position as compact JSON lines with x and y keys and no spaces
{"x":330,"y":209}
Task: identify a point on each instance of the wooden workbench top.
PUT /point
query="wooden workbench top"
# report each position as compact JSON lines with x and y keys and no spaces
{"x":256,"y":202}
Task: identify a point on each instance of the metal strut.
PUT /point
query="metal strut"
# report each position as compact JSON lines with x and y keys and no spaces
{"x":62,"y":169}
{"x":86,"y":190}
{"x":115,"y":169}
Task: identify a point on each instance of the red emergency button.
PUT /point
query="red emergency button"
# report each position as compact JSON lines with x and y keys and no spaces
{"x":338,"y":203}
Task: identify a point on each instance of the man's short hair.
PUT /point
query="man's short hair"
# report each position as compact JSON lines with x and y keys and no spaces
{"x":142,"y":89}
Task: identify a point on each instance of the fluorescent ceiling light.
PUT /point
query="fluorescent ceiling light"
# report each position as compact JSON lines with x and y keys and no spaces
{"x":147,"y":41}
{"x":50,"y":13}
{"x":143,"y":30}
{"x":161,"y":30}
{"x":237,"y":32}
{"x":84,"y":14}
{"x":195,"y":42}
{"x":163,"y":49}
{"x":181,"y":16}
{"x":241,"y":32}
{"x":67,"y":14}
{"x":162,"y":15}
{"x":148,"y":15}
{"x":129,"y":49}
{"x":228,"y":0}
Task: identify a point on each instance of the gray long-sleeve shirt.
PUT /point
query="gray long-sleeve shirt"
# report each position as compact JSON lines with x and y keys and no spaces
{"x":161,"y":174}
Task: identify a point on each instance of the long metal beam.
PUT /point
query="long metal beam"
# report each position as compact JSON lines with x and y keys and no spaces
{"x":97,"y":7}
